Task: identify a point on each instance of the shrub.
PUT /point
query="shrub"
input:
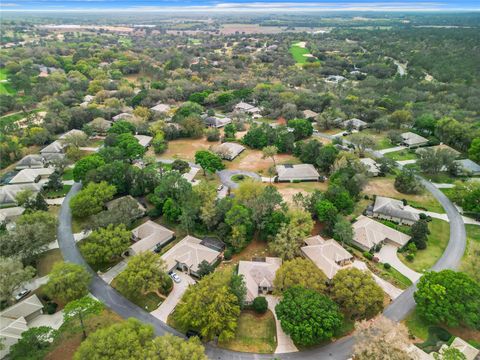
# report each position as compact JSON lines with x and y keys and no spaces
{"x":422,"y":216}
{"x":51,"y":308}
{"x":260,"y":305}
{"x":387,"y":266}
{"x":46,"y":298}
{"x":227,"y":255}
{"x":410,"y":257}
{"x":368,"y":255}
{"x":155,"y":212}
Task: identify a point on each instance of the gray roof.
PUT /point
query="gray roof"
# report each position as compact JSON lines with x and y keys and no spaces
{"x":30,"y":161}
{"x":394,"y":208}
{"x":297,"y":172}
{"x":217,"y":121}
{"x":468,"y":166}
{"x":229,"y":150}
{"x":411,"y":138}
{"x":54,"y":147}
{"x":356,"y":123}
{"x":9,"y":192}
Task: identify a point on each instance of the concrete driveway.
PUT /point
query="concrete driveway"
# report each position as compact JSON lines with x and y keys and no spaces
{"x":392,"y":149}
{"x":114,"y":271}
{"x":443,"y":217}
{"x":388,"y":288}
{"x":284,"y":342}
{"x":388,"y":254}
{"x":226,"y":177}
{"x":173,"y":298}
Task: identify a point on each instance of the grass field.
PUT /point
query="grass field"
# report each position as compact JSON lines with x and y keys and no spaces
{"x":298,"y":53}
{"x":8,"y":119}
{"x":401,"y":155}
{"x":5,"y":87}
{"x":255,"y":333}
{"x":472,"y":253}
{"x":149,"y":302}
{"x":46,"y":261}
{"x":436,"y":244}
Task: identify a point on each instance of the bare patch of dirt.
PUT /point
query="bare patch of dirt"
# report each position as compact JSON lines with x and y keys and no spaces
{"x":251,"y":160}
{"x":185,"y":149}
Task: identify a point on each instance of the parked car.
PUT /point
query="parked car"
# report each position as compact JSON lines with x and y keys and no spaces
{"x":220,"y":188}
{"x":174,"y":276}
{"x":22,"y":294}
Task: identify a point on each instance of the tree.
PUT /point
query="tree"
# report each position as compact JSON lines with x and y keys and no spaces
{"x":130,"y":146}
{"x":208,"y":161}
{"x":449,"y":297}
{"x":302,"y":128}
{"x":406,"y":182}
{"x":238,"y":288}
{"x":270,"y":152}
{"x":170,"y":347}
{"x":239,"y":219}
{"x":171,"y":210}
{"x":145,"y":273}
{"x":212,"y":134}
{"x":36,"y":203}
{"x":308,"y":151}
{"x":34,"y":344}
{"x":91,"y":199}
{"x":83,"y":166}
{"x":357,"y":293}
{"x":435,"y":160}
{"x":31,"y":236}
{"x":160,"y":145}
{"x":401,"y":118}
{"x":54,"y":181}
{"x":307,"y":316}
{"x":419,"y":232}
{"x":80,"y":310}
{"x":380,"y":339}
{"x":204,"y":268}
{"x":181,"y":166}
{"x":326,"y":157}
{"x":342,"y":230}
{"x":326,"y":212}
{"x":299,"y":272}
{"x":210,"y":307}
{"x":341,"y":198}
{"x":121,"y":127}
{"x":474,"y":151}
{"x":105,"y":244}
{"x":125,"y":211}
{"x":362,"y":142}
{"x":207,"y":195}
{"x":67,"y":282}
{"x":449,"y":353}
{"x":124,"y":340}
{"x":260,"y":305}
{"x":229,"y":131}
{"x":17,"y":274}
{"x":466,"y":194}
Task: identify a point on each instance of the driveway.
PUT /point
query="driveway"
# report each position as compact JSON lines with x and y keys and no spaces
{"x":392,"y":149}
{"x":284,"y":342}
{"x":388,"y":254}
{"x":173,"y":298}
{"x":443,"y":217}
{"x":226,"y":177}
{"x":388,"y":288}
{"x":53,"y":321}
{"x":406,"y":162}
{"x":114,"y":271}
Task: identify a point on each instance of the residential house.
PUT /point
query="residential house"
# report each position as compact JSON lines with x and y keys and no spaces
{"x":33,"y":161}
{"x":148,"y":236}
{"x":355,"y":123}
{"x":15,"y":320}
{"x":438,"y":147}
{"x":10,"y":214}
{"x":100,"y":125}
{"x":258,"y":276}
{"x":27,"y":176}
{"x":123,"y":116}
{"x":144,"y":140}
{"x":309,"y":114}
{"x":116,"y":202}
{"x":189,"y":253}
{"x":469,"y":351}
{"x":52,"y":157}
{"x":247,"y":108}
{"x":56,"y":147}
{"x":73,"y":132}
{"x":161,"y":109}
{"x":216,"y":121}
{"x":328,"y":255}
{"x":372,"y":167}
{"x":394,"y":210}
{"x":412,"y":140}
{"x":228,"y":150}
{"x":335,"y":79}
{"x":367,"y":233}
{"x":8,"y":193}
{"x":467,"y":167}
{"x":298,"y":172}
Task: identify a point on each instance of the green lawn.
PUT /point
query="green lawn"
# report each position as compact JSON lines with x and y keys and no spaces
{"x":298,"y":53}
{"x":401,"y":155}
{"x":5,"y":87}
{"x":436,"y":244}
{"x":3,"y":74}
{"x":472,"y":253}
{"x":52,"y":194}
{"x":416,"y":325}
{"x":67,"y":174}
{"x":149,"y":302}
{"x":255,"y":333}
{"x":8,"y":119}
{"x":46,"y":260}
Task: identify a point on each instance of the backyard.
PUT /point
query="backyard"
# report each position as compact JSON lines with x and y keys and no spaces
{"x":255,"y":333}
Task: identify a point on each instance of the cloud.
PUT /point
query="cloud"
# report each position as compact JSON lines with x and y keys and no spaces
{"x":8,"y":4}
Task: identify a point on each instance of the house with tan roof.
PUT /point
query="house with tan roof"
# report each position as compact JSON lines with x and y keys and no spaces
{"x":247,"y":108}
{"x":56,"y":147}
{"x":189,"y":253}
{"x":144,"y":140}
{"x":412,"y":140}
{"x":100,"y":125}
{"x":367,"y":233}
{"x":73,"y":132}
{"x":328,"y":255}
{"x":228,"y":150}
{"x":371,"y":165}
{"x":160,"y":109}
{"x":148,"y":236}
{"x":27,"y":176}
{"x":258,"y":276}
{"x":15,"y":319}
{"x":123,"y":116}
{"x":394,"y":210}
{"x":298,"y":172}
{"x":309,"y":114}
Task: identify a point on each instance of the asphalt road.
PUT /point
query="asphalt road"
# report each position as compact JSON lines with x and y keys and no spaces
{"x":226,"y":177}
{"x":339,"y":350}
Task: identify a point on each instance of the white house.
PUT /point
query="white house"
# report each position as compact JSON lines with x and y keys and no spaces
{"x":228,"y":150}
{"x":298,"y":172}
{"x":247,"y":108}
{"x":144,"y":140}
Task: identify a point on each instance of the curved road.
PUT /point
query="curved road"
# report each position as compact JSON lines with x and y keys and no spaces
{"x":339,"y":350}
{"x":226,"y":177}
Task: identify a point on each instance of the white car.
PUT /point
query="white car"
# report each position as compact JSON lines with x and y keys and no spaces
{"x":22,"y":294}
{"x":174,"y":276}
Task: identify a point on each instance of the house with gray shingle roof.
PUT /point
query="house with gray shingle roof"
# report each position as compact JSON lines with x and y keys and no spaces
{"x":413,"y":140}
{"x":258,"y":276}
{"x":8,"y":193}
{"x":298,"y":172}
{"x":56,"y":147}
{"x":355,"y":123}
{"x":467,"y":167}
{"x":32,"y":161}
{"x":228,"y":150}
{"x":394,"y":210}
{"x":216,"y":121}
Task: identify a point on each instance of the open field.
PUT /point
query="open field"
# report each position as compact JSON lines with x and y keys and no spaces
{"x":5,"y":87}
{"x":255,"y":333}
{"x":288,"y":190}
{"x":472,"y":252}
{"x":436,"y":244}
{"x":300,"y":53}
{"x":228,"y":29}
{"x":251,"y":160}
{"x":384,"y":187}
{"x":46,"y":261}
{"x":402,"y":155}
{"x":185,"y":149}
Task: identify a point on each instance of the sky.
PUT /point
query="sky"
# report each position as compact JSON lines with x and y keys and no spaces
{"x":238,"y":5}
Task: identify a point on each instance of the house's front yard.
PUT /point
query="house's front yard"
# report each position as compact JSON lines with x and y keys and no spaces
{"x":148,"y":302}
{"x":255,"y":333}
{"x":46,"y":261}
{"x":436,"y":245}
{"x":402,"y":155}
